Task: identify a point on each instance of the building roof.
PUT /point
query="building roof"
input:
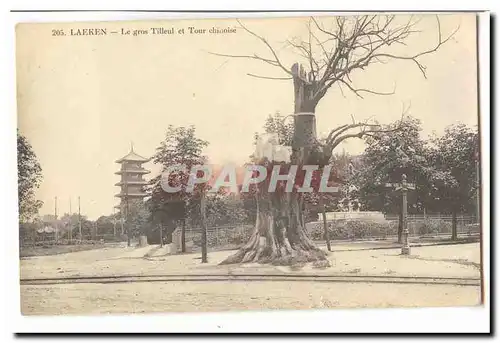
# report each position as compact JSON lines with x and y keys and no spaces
{"x":132,"y":157}
{"x":132,"y":182}
{"x":132,"y":195}
{"x":132,"y":171}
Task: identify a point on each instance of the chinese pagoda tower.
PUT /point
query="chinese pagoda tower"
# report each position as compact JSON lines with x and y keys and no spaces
{"x":132,"y":182}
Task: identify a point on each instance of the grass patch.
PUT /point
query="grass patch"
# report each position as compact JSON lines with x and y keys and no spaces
{"x":47,"y":250}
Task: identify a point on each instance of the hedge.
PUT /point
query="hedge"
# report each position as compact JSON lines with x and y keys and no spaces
{"x":354,"y":229}
{"x":357,"y":229}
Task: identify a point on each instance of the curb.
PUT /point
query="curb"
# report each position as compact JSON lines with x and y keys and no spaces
{"x":256,"y":277}
{"x":418,"y":245}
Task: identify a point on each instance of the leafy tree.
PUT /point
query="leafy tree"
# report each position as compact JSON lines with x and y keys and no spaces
{"x":282,"y":126}
{"x":70,"y":222}
{"x":181,"y":146}
{"x":88,"y":228}
{"x":222,"y":209}
{"x":105,"y":225}
{"x":29,"y":174}
{"x":454,"y":182}
{"x":139,"y":218}
{"x":67,"y":223}
{"x":334,"y":54}
{"x":387,"y":157}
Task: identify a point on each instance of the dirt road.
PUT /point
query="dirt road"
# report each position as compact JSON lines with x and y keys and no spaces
{"x":439,"y":261}
{"x":237,"y":296}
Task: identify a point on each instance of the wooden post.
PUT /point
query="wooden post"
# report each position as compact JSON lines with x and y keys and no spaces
{"x":204,"y":258}
{"x":325,"y":224}
{"x":122,"y":209}
{"x":55,"y":216}
{"x":400,"y":225}
{"x":127,"y":224}
{"x":114,"y":221}
{"x":478,"y":190}
{"x":183,"y":235}
{"x":454,"y":224}
{"x":160,"y":226}
{"x":79,"y":220}
{"x":70,"y":233}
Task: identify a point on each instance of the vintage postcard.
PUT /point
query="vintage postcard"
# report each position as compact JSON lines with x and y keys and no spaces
{"x":293,"y":163}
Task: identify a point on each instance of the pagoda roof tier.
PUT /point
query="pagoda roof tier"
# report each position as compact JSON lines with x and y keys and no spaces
{"x":132,"y":182}
{"x":132,"y":156}
{"x":132,"y":195}
{"x":133,"y":171}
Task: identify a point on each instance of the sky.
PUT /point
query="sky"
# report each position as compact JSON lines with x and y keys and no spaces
{"x":82,"y":100}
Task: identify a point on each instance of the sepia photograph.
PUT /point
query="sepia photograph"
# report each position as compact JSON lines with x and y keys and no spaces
{"x":249,"y":164}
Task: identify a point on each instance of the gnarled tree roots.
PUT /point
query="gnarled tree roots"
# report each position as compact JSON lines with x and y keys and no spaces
{"x":274,"y":245}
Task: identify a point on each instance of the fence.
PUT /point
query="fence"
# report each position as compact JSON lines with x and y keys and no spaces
{"x":35,"y":239}
{"x":419,"y":224}
{"x":233,"y":236}
{"x":219,"y":237}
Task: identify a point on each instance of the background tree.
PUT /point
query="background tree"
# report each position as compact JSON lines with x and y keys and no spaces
{"x":69,"y":222}
{"x":279,"y":125}
{"x":332,"y":56}
{"x":386,"y":158}
{"x":139,"y":218}
{"x":181,"y":146}
{"x":454,"y":182}
{"x":87,"y":227}
{"x":222,"y":209}
{"x":29,"y":174}
{"x":105,"y":224}
{"x":67,"y":225}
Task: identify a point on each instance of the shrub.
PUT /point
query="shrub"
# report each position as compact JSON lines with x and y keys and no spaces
{"x":358,"y":229}
{"x":211,"y":239}
{"x":353,"y":229}
{"x":224,"y":236}
{"x":433,"y":226}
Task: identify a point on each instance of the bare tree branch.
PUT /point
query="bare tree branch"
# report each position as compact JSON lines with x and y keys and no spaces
{"x":271,"y":62}
{"x":262,"y":39}
{"x":373,"y":129}
{"x":340,"y":133}
{"x":352,"y":44}
{"x":415,"y":57}
{"x":360,"y":90}
{"x":269,"y":77}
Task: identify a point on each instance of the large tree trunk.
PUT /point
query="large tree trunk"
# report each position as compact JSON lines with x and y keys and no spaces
{"x":279,"y":236}
{"x":454,"y":225}
{"x":183,"y":236}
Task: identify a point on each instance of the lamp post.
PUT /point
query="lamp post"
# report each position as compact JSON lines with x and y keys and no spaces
{"x":404,"y":187}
